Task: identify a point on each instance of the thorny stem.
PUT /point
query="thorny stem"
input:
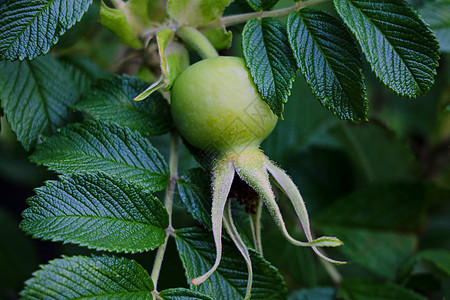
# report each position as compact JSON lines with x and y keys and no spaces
{"x":168,"y":204}
{"x":241,"y":18}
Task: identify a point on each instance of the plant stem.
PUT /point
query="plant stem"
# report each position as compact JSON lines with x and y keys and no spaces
{"x":168,"y":204}
{"x":241,"y":18}
{"x":197,"y":41}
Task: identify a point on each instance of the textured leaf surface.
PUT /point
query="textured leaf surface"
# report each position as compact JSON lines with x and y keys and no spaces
{"x":111,"y":100}
{"x":399,"y":46}
{"x":96,"y":146}
{"x":261,"y":5}
{"x":30,"y":27}
{"x":97,"y":211}
{"x":328,"y":57}
{"x":83,"y":71}
{"x":270,"y":60}
{"x":195,"y":12}
{"x":437,"y":15}
{"x":35,"y":96}
{"x":96,"y":277}
{"x":182,"y":294}
{"x":229,"y":281}
{"x":356,"y":289}
{"x":194,"y":187}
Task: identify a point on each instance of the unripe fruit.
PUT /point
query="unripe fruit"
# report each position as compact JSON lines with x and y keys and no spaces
{"x":215,"y":105}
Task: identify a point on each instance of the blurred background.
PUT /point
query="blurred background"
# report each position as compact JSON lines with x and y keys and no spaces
{"x":381,"y":186}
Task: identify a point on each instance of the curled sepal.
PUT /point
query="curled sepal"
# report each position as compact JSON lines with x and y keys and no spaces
{"x":255,"y":223}
{"x":223,"y":174}
{"x":235,"y":236}
{"x":296,"y":199}
{"x":250,"y":167}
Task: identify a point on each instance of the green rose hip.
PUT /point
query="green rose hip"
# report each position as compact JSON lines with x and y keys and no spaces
{"x":217,"y":108}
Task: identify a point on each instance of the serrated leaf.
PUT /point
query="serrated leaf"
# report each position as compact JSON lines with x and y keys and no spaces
{"x":194,"y":187}
{"x":329,"y":59}
{"x":182,"y":294}
{"x":361,"y":289}
{"x":111,"y":100}
{"x":399,"y":46}
{"x":196,"y":12}
{"x":30,"y":27}
{"x":98,"y":211}
{"x":95,"y":277}
{"x":35,"y":96}
{"x":229,"y":281}
{"x":96,"y":146}
{"x":313,"y":294}
{"x":270,"y":60}
{"x":437,"y":15}
{"x":261,"y":5}
{"x":83,"y":71}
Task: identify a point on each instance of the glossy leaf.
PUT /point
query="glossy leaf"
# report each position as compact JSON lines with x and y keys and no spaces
{"x":194,"y":187}
{"x":96,"y":146}
{"x":97,"y":211}
{"x":35,"y":96}
{"x":83,"y":71}
{"x":30,"y":27}
{"x":400,"y":47}
{"x":261,"y":5}
{"x":95,"y":277}
{"x":270,"y":60}
{"x":111,"y":100}
{"x":229,"y":281}
{"x":328,"y":57}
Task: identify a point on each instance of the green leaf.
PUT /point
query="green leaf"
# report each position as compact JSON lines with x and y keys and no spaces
{"x":313,"y":294}
{"x":182,"y":294}
{"x":437,"y":15}
{"x":97,"y":211}
{"x":360,"y":289}
{"x":111,"y":100}
{"x":270,"y":60}
{"x":329,"y":59}
{"x":96,"y":146}
{"x":35,"y":96}
{"x":261,"y":5}
{"x":196,"y":12}
{"x":30,"y":27}
{"x":399,"y":46}
{"x":194,"y":187}
{"x":95,"y":277}
{"x":229,"y":281}
{"x":83,"y":71}
{"x":380,"y":206}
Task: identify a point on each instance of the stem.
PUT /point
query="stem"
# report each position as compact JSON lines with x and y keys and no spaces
{"x":168,"y":204}
{"x":197,"y":41}
{"x":118,"y":3}
{"x":237,"y":19}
